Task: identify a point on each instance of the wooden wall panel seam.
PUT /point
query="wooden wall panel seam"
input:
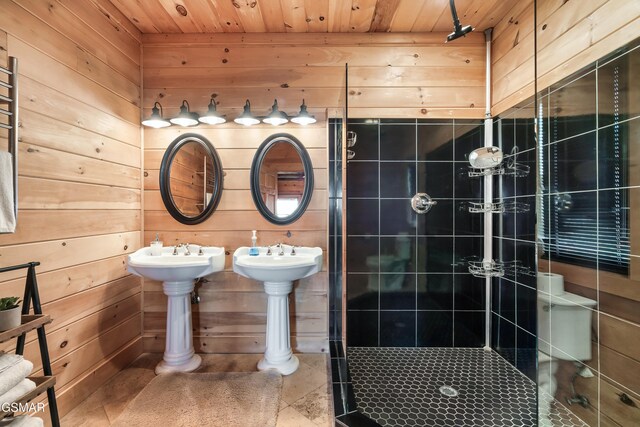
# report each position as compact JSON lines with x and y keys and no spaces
{"x":31,"y":351}
{"x":105,"y":25}
{"x":55,"y":255}
{"x":42,"y":99}
{"x":66,"y":26}
{"x":310,"y":39}
{"x":75,"y":84}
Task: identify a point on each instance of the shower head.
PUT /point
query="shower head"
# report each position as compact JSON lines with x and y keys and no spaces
{"x":458,"y":30}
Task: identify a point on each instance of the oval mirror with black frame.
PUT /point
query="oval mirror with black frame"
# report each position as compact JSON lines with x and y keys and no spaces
{"x":281,"y":179}
{"x":191,"y":179}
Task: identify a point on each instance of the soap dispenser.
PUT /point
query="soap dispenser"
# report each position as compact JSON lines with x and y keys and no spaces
{"x":156,"y":246}
{"x":253,"y":251}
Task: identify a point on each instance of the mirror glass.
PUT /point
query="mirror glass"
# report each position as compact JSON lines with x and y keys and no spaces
{"x":190,"y":179}
{"x":282,"y":179}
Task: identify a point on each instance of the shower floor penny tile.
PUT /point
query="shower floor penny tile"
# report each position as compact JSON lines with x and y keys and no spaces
{"x":445,"y":387}
{"x":305,"y":399}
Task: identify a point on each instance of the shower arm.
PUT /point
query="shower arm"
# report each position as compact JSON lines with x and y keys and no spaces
{"x":456,"y":22}
{"x":458,"y":29}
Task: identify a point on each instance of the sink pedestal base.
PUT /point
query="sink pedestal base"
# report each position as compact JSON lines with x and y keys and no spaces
{"x":178,"y":353}
{"x":278,"y":355}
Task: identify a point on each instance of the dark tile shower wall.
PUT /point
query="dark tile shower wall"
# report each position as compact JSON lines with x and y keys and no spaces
{"x":513,"y":305}
{"x":585,"y":163}
{"x":407,"y":281}
{"x":589,"y":195}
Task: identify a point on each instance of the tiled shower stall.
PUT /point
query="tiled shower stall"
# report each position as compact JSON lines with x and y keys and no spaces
{"x":415,"y":316}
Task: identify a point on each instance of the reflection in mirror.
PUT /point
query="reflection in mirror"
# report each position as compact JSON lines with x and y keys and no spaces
{"x":191,"y":179}
{"x":282,"y":179}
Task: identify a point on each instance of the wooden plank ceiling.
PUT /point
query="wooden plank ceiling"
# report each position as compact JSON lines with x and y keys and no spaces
{"x":312,"y":16}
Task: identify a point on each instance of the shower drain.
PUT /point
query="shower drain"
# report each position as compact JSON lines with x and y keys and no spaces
{"x":448,"y":391}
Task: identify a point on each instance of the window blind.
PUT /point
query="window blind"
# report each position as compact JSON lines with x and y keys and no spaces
{"x":589,"y":228}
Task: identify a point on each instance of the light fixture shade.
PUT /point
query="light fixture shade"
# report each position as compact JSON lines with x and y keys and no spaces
{"x":303,"y":117}
{"x":246,"y":118}
{"x":276,"y":117}
{"x":155,"y":120}
{"x":211,"y":117}
{"x":185,"y":118}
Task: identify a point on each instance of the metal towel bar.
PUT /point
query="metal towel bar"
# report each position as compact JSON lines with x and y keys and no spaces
{"x":12,"y":114}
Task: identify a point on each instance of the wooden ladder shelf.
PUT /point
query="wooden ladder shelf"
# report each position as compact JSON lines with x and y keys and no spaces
{"x":31,"y":322}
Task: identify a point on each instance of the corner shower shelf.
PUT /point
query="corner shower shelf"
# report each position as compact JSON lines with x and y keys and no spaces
{"x":495,"y":268}
{"x":474,"y":172}
{"x":517,"y":169}
{"x":512,"y":168}
{"x":513,"y":268}
{"x":486,"y":268}
{"x":510,"y":207}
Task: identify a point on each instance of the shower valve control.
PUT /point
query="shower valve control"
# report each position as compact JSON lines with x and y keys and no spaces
{"x":422,"y":203}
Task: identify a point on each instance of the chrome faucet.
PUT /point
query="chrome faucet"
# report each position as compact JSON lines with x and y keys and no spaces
{"x":277,"y":245}
{"x":187,"y":251}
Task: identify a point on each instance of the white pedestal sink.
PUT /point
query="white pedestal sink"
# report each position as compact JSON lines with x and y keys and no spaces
{"x":278,"y":273}
{"x":178,"y":274}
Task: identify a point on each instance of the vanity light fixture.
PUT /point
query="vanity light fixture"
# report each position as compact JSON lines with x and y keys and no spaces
{"x":303,"y":117}
{"x":246,"y":118}
{"x":156,"y":120}
{"x":211,"y":117}
{"x":276,"y":117}
{"x":186,"y":117}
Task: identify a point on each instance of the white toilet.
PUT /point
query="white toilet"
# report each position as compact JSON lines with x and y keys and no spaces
{"x":564,"y":321}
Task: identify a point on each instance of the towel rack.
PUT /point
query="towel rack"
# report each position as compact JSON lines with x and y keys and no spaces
{"x":11,"y":112}
{"x":29,"y":323}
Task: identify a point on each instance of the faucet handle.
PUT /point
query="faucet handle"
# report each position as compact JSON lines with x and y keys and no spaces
{"x":175,"y":248}
{"x":293,"y":250}
{"x":269,"y":250}
{"x":201,"y":252}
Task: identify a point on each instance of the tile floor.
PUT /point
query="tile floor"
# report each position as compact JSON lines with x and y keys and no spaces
{"x":305,"y":399}
{"x":447,"y":387}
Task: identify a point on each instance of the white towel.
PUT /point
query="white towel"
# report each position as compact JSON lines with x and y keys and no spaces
{"x":7,"y":211}
{"x":23,"y":387}
{"x":22,"y":421}
{"x":7,"y":360}
{"x":12,"y":377}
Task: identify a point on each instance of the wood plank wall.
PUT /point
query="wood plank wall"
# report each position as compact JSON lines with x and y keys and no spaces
{"x":571,"y":35}
{"x":79,"y":184}
{"x":231,"y":316}
{"x":391,"y":75}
